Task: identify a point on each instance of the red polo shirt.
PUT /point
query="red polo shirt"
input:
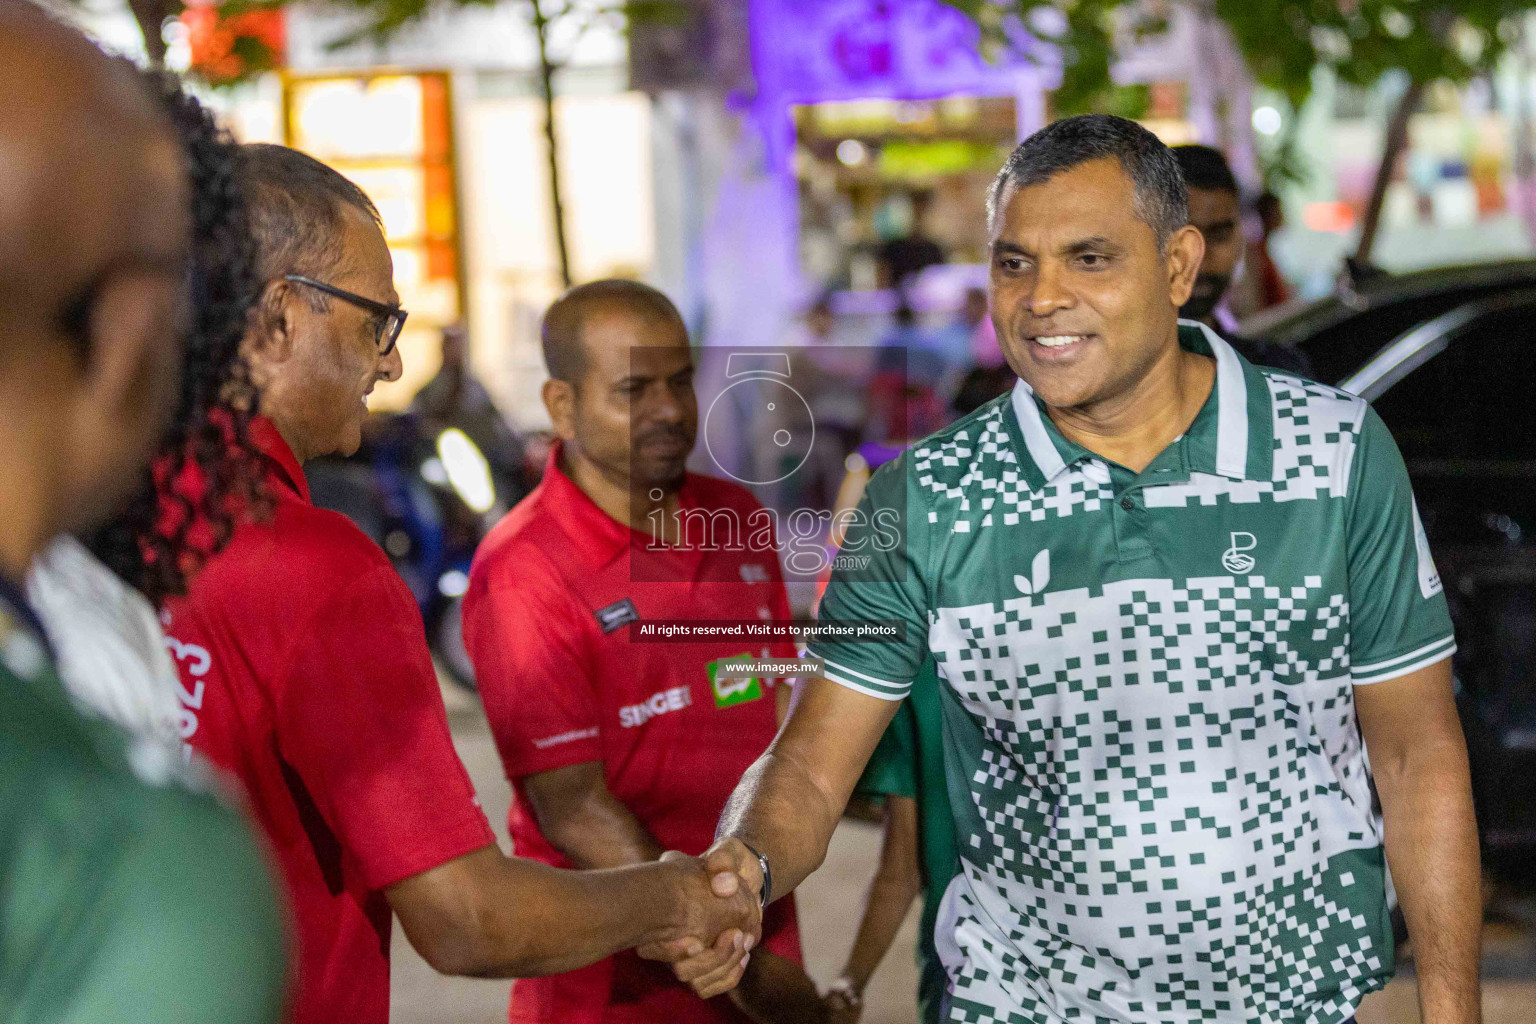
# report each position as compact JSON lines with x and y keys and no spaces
{"x":546,"y":620}
{"x":306,"y":674}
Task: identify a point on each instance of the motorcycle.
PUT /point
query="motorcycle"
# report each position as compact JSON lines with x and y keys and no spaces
{"x":427,"y":494}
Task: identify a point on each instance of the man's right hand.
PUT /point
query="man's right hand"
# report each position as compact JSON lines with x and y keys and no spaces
{"x":718,"y":921}
{"x":730,"y":864}
{"x":733,"y":874}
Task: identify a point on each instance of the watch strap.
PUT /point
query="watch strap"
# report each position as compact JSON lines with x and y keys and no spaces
{"x":766,"y":892}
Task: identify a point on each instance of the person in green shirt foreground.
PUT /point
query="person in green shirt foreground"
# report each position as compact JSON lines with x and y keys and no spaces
{"x":125,"y":893}
{"x":1173,"y":599}
{"x":917,"y":857}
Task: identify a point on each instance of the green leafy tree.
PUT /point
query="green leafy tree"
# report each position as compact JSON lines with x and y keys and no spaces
{"x":1283,"y":42}
{"x":566,"y":20}
{"x":151,"y":16}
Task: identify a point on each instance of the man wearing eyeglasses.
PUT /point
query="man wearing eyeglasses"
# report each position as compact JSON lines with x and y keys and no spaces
{"x":306,"y":674}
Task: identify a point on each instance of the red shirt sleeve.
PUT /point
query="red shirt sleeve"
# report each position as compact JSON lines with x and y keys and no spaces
{"x":534,"y":676}
{"x":778,"y":603}
{"x":361,"y":721}
{"x":781,"y":930}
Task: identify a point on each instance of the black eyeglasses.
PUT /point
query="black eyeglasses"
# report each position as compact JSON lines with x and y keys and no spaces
{"x":391,"y":319}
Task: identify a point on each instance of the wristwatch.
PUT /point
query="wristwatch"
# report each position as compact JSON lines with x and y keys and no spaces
{"x":766,"y":893}
{"x":844,"y":988}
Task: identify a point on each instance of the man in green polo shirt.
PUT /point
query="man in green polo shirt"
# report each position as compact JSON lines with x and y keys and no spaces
{"x":125,"y":894}
{"x":1172,"y":599}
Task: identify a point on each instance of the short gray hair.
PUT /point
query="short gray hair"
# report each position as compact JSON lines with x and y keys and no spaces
{"x":296,"y":209}
{"x":1161,"y":201}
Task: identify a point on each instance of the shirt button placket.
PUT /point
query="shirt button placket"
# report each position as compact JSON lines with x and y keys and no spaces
{"x":1131,"y":531}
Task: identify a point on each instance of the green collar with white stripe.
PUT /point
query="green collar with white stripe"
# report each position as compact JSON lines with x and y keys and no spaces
{"x":1231,"y":436}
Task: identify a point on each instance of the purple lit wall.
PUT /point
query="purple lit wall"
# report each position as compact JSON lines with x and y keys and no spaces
{"x":814,"y":51}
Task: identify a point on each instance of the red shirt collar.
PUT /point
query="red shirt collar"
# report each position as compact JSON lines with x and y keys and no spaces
{"x":600,"y":536}
{"x":280,"y":457}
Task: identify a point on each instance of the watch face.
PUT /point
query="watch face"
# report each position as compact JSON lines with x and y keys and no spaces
{"x":780,"y":429}
{"x":766,"y":891}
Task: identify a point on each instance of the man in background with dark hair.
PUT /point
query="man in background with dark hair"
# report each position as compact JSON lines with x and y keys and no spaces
{"x":909,"y":254}
{"x":1215,"y":211}
{"x":315,"y":687}
{"x":1171,"y":598}
{"x":124,"y":893}
{"x":619,"y":749}
{"x":1272,"y":287}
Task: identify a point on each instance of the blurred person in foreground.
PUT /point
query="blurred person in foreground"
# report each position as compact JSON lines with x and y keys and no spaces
{"x":317,"y":689}
{"x":1173,"y":599}
{"x":1215,"y":211}
{"x":99,"y":604}
{"x":123,"y":892}
{"x":618,"y":749}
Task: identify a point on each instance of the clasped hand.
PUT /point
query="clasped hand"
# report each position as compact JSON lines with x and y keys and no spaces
{"x":720,"y":920}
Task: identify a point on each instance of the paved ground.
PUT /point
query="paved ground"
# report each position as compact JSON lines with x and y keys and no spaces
{"x":829,"y":904}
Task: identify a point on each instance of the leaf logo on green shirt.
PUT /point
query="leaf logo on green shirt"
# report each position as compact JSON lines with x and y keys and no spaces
{"x":1039,"y":575}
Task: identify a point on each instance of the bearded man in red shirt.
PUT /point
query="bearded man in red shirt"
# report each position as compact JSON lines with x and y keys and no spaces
{"x":306,"y":672}
{"x":619,"y":749}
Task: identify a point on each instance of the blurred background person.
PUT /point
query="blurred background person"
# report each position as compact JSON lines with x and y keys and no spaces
{"x":453,"y":391}
{"x":831,"y":378}
{"x":99,"y":604}
{"x":116,"y":878}
{"x":1271,"y":214}
{"x":985,"y":351}
{"x":455,"y":398}
{"x":616,"y":749}
{"x":1215,"y":211}
{"x":909,"y":371}
{"x":912,"y":250}
{"x":963,"y":341}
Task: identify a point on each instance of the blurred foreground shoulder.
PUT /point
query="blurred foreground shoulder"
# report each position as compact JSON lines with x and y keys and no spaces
{"x":126,"y":896}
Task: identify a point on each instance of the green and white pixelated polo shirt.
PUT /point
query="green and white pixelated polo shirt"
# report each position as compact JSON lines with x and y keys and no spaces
{"x":1160,"y":793}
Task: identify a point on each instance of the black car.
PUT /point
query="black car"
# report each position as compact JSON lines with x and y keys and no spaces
{"x":1448,"y":359}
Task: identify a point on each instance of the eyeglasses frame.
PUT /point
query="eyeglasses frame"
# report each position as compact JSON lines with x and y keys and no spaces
{"x":392,"y":315}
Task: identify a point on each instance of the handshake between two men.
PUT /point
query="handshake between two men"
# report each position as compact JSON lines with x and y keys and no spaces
{"x":724,"y":922}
